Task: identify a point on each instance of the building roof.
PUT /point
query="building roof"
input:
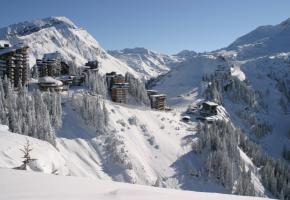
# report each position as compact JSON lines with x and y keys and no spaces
{"x":12,"y":48}
{"x":158,"y":95}
{"x":121,"y":85}
{"x":49,"y":79}
{"x":210,"y":103}
{"x":155,"y":91}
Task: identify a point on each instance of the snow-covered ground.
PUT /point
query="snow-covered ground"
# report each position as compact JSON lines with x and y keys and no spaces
{"x":145,"y":146}
{"x":25,"y":185}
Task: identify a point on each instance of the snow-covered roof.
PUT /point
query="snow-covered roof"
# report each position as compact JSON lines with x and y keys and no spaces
{"x":186,"y":117}
{"x":152,"y":91}
{"x":158,"y":95}
{"x":49,"y":79}
{"x":210,"y":103}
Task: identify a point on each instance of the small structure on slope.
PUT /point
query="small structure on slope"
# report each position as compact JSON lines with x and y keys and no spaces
{"x":208,"y":108}
{"x":158,"y":101}
{"x":185,"y":118}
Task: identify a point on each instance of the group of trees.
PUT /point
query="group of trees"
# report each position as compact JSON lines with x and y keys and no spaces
{"x":137,"y":89}
{"x":236,"y":90}
{"x":219,"y":142}
{"x":259,"y":128}
{"x":275,"y":173}
{"x":96,"y":83}
{"x":222,"y":85}
{"x":92,"y":110}
{"x":34,"y":114}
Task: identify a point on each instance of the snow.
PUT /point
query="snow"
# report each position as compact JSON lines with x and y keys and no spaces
{"x":36,"y":186}
{"x":144,"y":146}
{"x":264,"y":40}
{"x":49,"y":79}
{"x":148,"y":64}
{"x":155,"y":152}
{"x":47,"y":157}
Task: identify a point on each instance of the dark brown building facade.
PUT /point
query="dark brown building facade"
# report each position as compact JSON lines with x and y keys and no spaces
{"x":14,"y":64}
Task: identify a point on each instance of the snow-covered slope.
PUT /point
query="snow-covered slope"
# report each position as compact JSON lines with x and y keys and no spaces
{"x":260,"y":59}
{"x":30,"y":185}
{"x":60,"y":34}
{"x":148,"y":64}
{"x":144,"y":147}
{"x":182,"y":85}
{"x":264,"y":40}
{"x":48,"y":159}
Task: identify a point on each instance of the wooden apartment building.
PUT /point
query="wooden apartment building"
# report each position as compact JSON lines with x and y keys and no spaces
{"x":14,"y":64}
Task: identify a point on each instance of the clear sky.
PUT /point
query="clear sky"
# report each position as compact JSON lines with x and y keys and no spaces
{"x":167,"y":26}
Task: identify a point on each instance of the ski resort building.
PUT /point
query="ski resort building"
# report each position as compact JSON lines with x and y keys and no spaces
{"x":119,"y":92}
{"x":14,"y":64}
{"x":93,"y":65}
{"x":52,"y":65}
{"x":113,"y":78}
{"x":158,"y":101}
{"x":208,"y":108}
{"x":48,"y":83}
{"x":118,"y":87}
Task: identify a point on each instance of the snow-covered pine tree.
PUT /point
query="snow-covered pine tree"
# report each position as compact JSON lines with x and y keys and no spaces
{"x":96,"y":83}
{"x":137,"y":89}
{"x":90,"y":109}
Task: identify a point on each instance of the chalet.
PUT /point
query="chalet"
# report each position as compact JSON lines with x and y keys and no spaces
{"x":119,"y":92}
{"x":48,"y":83}
{"x":208,"y":108}
{"x":14,"y":64}
{"x":158,"y":101}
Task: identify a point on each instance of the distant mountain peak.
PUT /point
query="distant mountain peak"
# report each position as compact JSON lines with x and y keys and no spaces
{"x":29,"y":27}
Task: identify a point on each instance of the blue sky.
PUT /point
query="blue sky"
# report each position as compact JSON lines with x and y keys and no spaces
{"x":167,"y":26}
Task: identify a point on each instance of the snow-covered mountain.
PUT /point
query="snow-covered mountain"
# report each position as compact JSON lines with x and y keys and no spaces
{"x":75,"y":44}
{"x":250,"y":78}
{"x":264,"y":40}
{"x":148,"y":64}
{"x":149,"y":147}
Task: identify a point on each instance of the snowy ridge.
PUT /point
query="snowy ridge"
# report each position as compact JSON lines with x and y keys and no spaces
{"x":264,"y":40}
{"x":147,"y":63}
